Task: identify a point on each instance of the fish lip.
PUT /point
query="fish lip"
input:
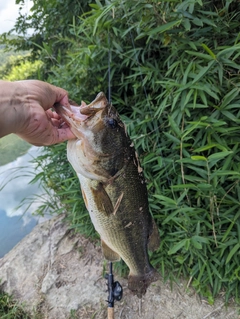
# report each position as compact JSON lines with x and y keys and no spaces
{"x":98,"y":104}
{"x":70,"y":113}
{"x":82,"y":112}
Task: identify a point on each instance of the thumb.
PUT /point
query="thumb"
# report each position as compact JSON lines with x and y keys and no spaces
{"x":61,"y":96}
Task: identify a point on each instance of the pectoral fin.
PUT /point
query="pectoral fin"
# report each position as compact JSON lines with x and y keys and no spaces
{"x":102,"y":200}
{"x":154,"y":238}
{"x":108,"y":253}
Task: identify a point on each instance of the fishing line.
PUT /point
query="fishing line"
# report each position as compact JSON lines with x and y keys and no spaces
{"x":145,"y":90}
{"x":109,"y":69}
{"x":115,"y":290}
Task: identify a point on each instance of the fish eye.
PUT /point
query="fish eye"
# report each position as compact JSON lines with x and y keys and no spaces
{"x":112,"y":123}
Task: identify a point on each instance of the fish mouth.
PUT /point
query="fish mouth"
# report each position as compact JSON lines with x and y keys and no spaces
{"x":99,"y":103}
{"x":75,"y":115}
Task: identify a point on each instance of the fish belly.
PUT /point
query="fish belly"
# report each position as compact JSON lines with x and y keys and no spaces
{"x":121,"y":232}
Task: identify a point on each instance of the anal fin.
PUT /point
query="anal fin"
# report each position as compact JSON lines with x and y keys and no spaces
{"x":108,"y":253}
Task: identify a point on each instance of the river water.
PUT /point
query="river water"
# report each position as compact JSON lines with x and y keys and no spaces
{"x":16,"y":222}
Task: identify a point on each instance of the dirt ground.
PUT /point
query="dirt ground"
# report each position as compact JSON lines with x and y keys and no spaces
{"x":162,"y":300}
{"x":60,"y":275}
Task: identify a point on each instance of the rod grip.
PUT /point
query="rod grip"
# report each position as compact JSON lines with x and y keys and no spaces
{"x":110,"y":313}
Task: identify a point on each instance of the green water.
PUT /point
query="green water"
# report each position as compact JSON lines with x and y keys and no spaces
{"x":11,"y":147}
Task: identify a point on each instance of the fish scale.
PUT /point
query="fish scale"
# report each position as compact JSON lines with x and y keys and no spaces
{"x":122,"y":220}
{"x":113,"y":188}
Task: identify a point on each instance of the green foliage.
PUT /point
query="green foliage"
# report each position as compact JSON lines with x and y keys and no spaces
{"x":11,"y":147}
{"x":20,"y":68}
{"x":174,"y":71}
{"x":48,"y":22}
{"x":9,"y":309}
{"x":5,"y":54}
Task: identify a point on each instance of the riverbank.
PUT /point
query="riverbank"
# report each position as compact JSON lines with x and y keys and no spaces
{"x":60,"y":274}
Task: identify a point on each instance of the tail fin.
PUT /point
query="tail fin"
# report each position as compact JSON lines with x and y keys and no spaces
{"x":139,"y":284}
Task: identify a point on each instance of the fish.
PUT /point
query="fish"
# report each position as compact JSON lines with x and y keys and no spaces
{"x":113,"y":187}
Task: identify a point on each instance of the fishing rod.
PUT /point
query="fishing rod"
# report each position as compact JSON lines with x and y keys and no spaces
{"x":115,"y":292}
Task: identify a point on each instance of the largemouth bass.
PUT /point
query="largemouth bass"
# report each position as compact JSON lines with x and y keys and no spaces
{"x":113,"y":187}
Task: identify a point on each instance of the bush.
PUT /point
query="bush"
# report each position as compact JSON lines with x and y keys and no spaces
{"x":20,"y":68}
{"x":174,"y":74}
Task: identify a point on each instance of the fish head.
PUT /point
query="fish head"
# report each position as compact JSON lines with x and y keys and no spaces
{"x":101,"y":143}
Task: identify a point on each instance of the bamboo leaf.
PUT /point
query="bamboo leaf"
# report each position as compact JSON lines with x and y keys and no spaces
{"x":198,"y":158}
{"x":174,"y":126}
{"x":209,"y":51}
{"x":210,"y":146}
{"x":203,"y":71}
{"x":184,"y":186}
{"x":219,"y":155}
{"x":172,"y":138}
{"x":229,"y":97}
{"x":195,"y":243}
{"x":231,"y":116}
{"x":200,"y":55}
{"x":164,"y":27}
{"x":229,"y":51}
{"x":177,"y":247}
{"x":165,"y":199}
{"x":233,"y":251}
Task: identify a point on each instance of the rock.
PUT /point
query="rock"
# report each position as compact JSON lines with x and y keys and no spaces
{"x":48,"y":271}
{"x":59,"y":274}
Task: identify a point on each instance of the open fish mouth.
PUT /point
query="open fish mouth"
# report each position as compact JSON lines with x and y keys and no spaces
{"x":99,"y":103}
{"x":81,"y":113}
{"x":70,"y":113}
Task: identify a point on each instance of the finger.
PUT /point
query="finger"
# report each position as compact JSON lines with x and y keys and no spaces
{"x":64,"y":134}
{"x":56,"y":122}
{"x":64,"y":101}
{"x":61,"y":95}
{"x":46,"y":94}
{"x":59,"y":134}
{"x":56,"y":136}
{"x":56,"y":119}
{"x":52,"y":114}
{"x":64,"y":125}
{"x":51,"y":94}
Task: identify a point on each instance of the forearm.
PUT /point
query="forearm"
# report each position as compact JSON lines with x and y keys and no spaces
{"x":11,"y":101}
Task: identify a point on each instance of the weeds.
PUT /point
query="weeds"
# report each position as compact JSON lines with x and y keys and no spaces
{"x":10,"y":309}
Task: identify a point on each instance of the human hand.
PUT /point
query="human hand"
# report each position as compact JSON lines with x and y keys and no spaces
{"x":29,"y":114}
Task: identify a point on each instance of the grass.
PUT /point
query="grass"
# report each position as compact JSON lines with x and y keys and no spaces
{"x":11,"y":147}
{"x":10,"y":309}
